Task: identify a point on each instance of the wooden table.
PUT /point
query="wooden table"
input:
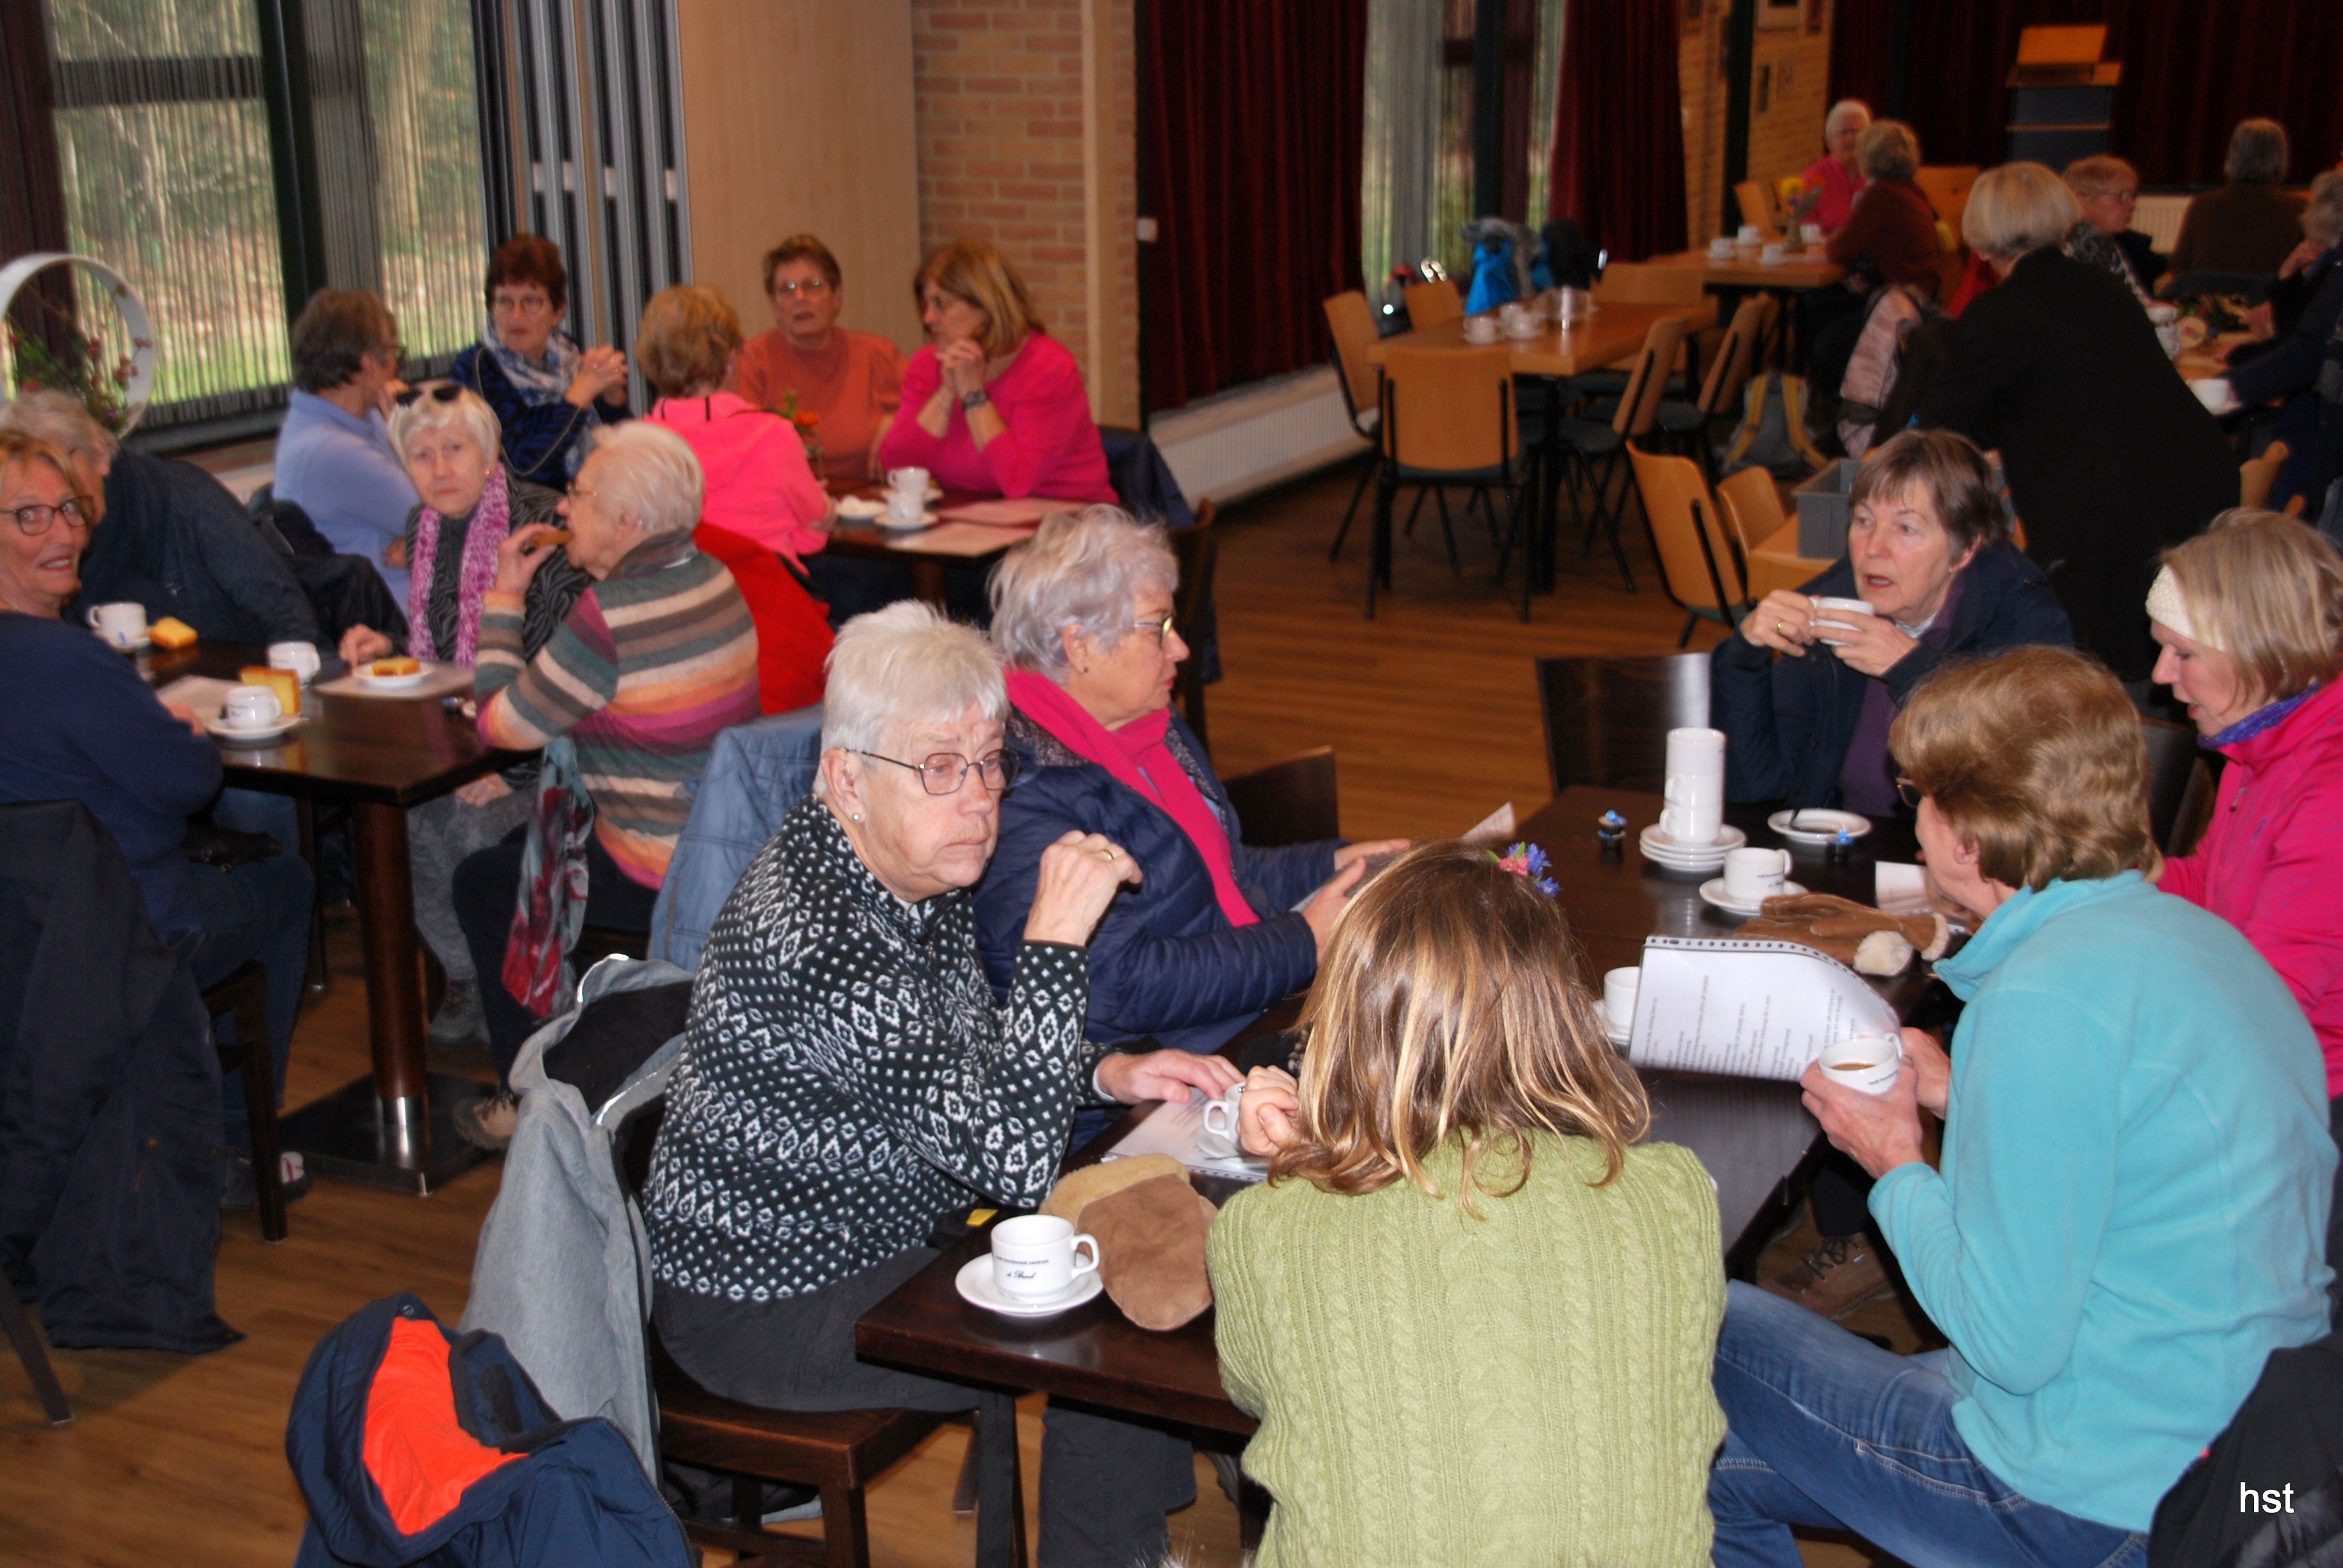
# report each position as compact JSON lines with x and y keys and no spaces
{"x":379,"y":755}
{"x":1611,"y":334}
{"x":1754,"y":1137}
{"x":1793,"y":274}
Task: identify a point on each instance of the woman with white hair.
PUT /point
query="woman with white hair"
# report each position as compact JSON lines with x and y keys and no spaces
{"x":2306,"y":305}
{"x":1220,"y":930}
{"x":848,"y":1079}
{"x":2108,"y":456}
{"x":652,"y":660}
{"x":2249,"y":223}
{"x":448,"y":437}
{"x":1834,"y":176}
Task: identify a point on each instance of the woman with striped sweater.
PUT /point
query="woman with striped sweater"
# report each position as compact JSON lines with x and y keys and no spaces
{"x":652,"y":660}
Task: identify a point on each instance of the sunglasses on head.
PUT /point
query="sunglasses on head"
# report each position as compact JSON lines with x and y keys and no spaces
{"x":437,"y":391}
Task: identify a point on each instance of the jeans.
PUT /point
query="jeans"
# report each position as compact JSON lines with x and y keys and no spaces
{"x":1830,"y":1432}
{"x":487,"y":887}
{"x":255,"y":911}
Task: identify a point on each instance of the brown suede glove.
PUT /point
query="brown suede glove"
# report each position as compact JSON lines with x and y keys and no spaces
{"x":1868,"y":941}
{"x":1150,"y":1225}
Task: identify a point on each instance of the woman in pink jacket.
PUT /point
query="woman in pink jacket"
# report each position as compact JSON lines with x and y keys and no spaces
{"x":2249,"y":615}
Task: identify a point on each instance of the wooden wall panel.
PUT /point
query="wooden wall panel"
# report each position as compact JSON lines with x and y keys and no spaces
{"x":798,"y":117}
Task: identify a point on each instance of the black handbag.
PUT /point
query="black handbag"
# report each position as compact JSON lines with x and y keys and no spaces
{"x":225,"y":849}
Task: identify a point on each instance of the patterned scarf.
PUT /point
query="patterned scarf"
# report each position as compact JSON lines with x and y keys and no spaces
{"x":544,"y":380}
{"x":2260,"y":722}
{"x":491,"y":521}
{"x":551,"y":908}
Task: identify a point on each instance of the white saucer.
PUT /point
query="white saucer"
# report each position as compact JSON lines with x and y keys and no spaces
{"x":886,"y":523}
{"x":860,"y":509}
{"x":974,"y":1282}
{"x":250,"y":733}
{"x":1713,"y":892}
{"x":1663,"y":850}
{"x":373,"y":682}
{"x":1820,"y":826}
{"x":141,"y":646}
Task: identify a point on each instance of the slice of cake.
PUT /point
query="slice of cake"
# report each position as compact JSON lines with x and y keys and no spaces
{"x":283,"y":682}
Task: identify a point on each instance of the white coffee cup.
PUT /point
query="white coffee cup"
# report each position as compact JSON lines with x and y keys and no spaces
{"x":1825,"y":606}
{"x":1752,"y":875}
{"x":1868,"y":1062}
{"x":1810,"y":233}
{"x":1037,"y":1256}
{"x":1619,"y":987}
{"x":1695,"y":812}
{"x":1218,"y":1136}
{"x":906,"y":509}
{"x":1749,"y":234}
{"x":300,"y":657}
{"x":251,"y":708}
{"x":123,"y":624}
{"x":1721,"y":247}
{"x":1692,"y":749}
{"x":1480,"y":330}
{"x":913,"y":481}
{"x":1771,"y":255}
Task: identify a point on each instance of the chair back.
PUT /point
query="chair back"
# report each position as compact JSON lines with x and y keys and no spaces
{"x":1698,"y":554}
{"x":2173,"y":758}
{"x":1647,"y":383}
{"x":1648,"y":283}
{"x":1758,"y":208}
{"x":1289,"y":802}
{"x":1430,"y":303}
{"x":1946,"y":186}
{"x":1736,"y":356}
{"x":1607,"y":719}
{"x":1351,"y":321}
{"x":2256,"y":475}
{"x":1448,"y":410}
{"x":1198,"y":551}
{"x":1752,"y":505}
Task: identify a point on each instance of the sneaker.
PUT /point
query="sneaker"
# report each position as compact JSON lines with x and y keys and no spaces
{"x":486,"y":1120}
{"x":460,"y":1020}
{"x":1837,"y":1277}
{"x":240,"y":1189}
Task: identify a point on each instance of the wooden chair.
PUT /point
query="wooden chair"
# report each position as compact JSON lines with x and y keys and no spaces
{"x":1607,"y":719}
{"x":1946,"y":186}
{"x":243,"y":995}
{"x":1584,"y":441}
{"x":1701,"y":563}
{"x":1289,"y":802}
{"x":1720,"y":392}
{"x":1648,"y":283}
{"x":1448,"y":419}
{"x":2256,"y":475}
{"x":1351,"y":321}
{"x":1756,"y":201}
{"x":1751,"y":504}
{"x":1198,"y":551}
{"x":1430,"y":303}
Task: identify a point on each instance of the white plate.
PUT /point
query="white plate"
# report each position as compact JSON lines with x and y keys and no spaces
{"x":1713,"y":891}
{"x":249,"y":733}
{"x":860,"y":509}
{"x":1820,"y":826}
{"x":974,"y":1282}
{"x":373,"y":682}
{"x":1662,"y":850}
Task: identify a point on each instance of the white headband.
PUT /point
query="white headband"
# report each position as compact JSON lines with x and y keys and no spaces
{"x":2168,"y":608}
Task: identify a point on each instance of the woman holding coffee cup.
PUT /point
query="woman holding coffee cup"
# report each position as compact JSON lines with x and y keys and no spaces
{"x":1466,"y":1279}
{"x":1805,"y":690}
{"x":2250,"y":618}
{"x":847,"y":1081}
{"x":2130,"y":1212}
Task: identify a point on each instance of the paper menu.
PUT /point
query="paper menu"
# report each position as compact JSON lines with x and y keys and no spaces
{"x":1750,"y":1009}
{"x":1171,"y":1128}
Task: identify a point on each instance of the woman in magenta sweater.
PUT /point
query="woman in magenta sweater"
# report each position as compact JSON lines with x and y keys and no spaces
{"x":993,"y":405}
{"x":2249,"y":617}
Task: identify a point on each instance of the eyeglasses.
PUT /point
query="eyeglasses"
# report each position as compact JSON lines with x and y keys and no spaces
{"x":437,"y":391}
{"x":1908,"y":792}
{"x":1165,"y":629}
{"x":521,"y":304}
{"x":809,"y":287}
{"x":35,"y":519}
{"x":946,"y":771}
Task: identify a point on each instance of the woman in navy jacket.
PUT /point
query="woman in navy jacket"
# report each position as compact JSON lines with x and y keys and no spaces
{"x":1805,"y":694}
{"x":1217,"y":931}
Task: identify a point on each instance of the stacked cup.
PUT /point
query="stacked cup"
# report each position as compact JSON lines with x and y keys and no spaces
{"x":1691,"y":835}
{"x":907,"y":499}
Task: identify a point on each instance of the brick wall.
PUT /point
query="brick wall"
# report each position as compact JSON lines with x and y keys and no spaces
{"x":1791,"y":67}
{"x":1008,"y":153}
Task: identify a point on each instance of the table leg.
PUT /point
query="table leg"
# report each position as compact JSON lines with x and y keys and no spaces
{"x":928,"y":582}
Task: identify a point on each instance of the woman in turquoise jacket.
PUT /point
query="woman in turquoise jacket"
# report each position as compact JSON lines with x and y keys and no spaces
{"x":2130,"y":1213}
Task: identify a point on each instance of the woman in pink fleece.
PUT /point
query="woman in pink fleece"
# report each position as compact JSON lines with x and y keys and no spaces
{"x":2249,"y":615}
{"x":993,"y":405}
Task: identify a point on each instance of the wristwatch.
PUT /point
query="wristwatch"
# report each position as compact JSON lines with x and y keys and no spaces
{"x":970,"y":402}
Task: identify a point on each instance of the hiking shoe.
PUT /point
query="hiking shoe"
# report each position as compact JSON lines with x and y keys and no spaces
{"x":486,"y":1120}
{"x":461,"y":1020}
{"x":1837,"y":1277}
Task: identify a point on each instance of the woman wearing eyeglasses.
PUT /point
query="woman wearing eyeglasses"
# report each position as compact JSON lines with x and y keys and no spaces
{"x":548,"y":392}
{"x":848,"y":1079}
{"x":849,"y":381}
{"x":1219,"y":929}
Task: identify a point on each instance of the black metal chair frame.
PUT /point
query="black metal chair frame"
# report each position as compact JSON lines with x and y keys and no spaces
{"x":1519,"y":478}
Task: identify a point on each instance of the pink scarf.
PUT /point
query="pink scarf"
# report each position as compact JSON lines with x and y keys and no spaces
{"x":491,"y":521}
{"x":1135,"y":755}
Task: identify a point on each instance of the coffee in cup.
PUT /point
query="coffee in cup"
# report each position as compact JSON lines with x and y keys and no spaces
{"x":251,"y":708}
{"x":1752,"y":876}
{"x":1869,"y":1063}
{"x":1038,"y":1257}
{"x":123,"y":625}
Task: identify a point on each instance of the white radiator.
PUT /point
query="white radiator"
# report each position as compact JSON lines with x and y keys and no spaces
{"x":1250,"y":437}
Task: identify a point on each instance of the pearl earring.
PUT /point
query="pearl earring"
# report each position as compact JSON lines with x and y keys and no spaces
{"x":857,"y":816}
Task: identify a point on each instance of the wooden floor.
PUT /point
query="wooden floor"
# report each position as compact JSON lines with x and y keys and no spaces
{"x":1432,"y":710}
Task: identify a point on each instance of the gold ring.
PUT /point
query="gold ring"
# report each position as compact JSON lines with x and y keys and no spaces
{"x":1780,"y":629}
{"x":1107,"y":854}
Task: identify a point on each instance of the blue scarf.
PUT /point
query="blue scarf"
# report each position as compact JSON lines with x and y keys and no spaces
{"x":544,"y":380}
{"x":2260,"y":722}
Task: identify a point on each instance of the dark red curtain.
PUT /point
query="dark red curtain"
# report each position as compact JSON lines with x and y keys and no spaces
{"x":1618,"y":144}
{"x":1252,"y":112}
{"x":2191,"y":71}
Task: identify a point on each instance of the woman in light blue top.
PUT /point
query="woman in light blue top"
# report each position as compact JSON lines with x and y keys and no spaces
{"x":2131,"y":1210}
{"x":333,"y":457}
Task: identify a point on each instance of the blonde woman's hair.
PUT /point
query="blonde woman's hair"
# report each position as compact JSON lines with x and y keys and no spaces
{"x":2268,"y":592}
{"x":2034,"y":755}
{"x":60,"y":419}
{"x":428,"y":413}
{"x":21,"y":449}
{"x":688,"y":336}
{"x":1449,"y":1006}
{"x":977,"y":273}
{"x":1887,"y":150}
{"x":2017,"y":208}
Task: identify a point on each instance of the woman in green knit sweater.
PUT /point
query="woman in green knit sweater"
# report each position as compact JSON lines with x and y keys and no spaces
{"x":1476,"y":1324}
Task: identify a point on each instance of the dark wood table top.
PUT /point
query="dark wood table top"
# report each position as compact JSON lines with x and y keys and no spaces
{"x":383,"y":750}
{"x":849,"y":538}
{"x":1751,"y":1136}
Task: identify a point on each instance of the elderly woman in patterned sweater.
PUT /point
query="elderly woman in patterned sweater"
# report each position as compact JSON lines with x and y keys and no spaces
{"x":848,"y":1079}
